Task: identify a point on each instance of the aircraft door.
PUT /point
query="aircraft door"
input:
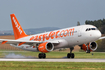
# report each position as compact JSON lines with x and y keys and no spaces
{"x":79,"y":32}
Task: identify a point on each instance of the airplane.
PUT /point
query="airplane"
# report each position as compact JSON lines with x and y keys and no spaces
{"x":83,"y":35}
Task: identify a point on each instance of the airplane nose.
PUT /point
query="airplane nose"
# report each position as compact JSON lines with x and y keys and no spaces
{"x":96,"y":34}
{"x":99,"y":34}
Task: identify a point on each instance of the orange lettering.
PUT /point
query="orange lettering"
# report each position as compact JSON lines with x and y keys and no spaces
{"x":56,"y":34}
{"x":66,"y":32}
{"x":70,"y":30}
{"x":73,"y":31}
{"x":36,"y":38}
{"x":62,"y":33}
{"x":32,"y":38}
{"x":52,"y":35}
{"x":47,"y":36}
{"x":40,"y":38}
{"x":44,"y":35}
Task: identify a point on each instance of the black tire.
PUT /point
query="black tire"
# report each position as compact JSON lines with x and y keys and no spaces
{"x":72,"y":55}
{"x":42,"y":55}
{"x":88,"y":51}
{"x":39,"y":56}
{"x":68,"y":55}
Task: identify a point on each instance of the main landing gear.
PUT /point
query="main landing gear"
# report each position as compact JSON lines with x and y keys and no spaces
{"x":70,"y":55}
{"x":42,"y":55}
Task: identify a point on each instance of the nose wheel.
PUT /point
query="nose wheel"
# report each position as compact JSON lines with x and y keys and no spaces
{"x":87,"y":51}
{"x":70,"y":55}
{"x":42,"y":55}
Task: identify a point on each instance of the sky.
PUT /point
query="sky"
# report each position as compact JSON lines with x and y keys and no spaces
{"x":50,"y":13}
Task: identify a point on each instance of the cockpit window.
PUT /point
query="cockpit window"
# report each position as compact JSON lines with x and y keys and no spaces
{"x":93,"y":28}
{"x":88,"y":29}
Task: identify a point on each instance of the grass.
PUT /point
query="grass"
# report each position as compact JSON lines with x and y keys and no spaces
{"x":51,"y":66}
{"x":57,"y":54}
{"x":10,"y":65}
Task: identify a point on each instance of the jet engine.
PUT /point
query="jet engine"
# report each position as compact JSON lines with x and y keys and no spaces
{"x":45,"y":47}
{"x":92,"y":46}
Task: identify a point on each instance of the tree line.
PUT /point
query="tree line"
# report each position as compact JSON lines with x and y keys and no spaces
{"x":100,"y":24}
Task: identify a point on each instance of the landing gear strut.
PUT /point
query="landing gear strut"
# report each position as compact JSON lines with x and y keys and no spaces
{"x":87,"y":51}
{"x":70,"y":55}
{"x":42,"y":55}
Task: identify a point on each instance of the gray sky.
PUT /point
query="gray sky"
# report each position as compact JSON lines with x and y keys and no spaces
{"x":50,"y":13}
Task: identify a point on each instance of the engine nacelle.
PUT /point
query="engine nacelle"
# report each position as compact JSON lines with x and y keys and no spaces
{"x":91,"y":46}
{"x":45,"y":47}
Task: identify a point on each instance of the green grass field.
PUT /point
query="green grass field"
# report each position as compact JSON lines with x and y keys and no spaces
{"x":54,"y":65}
{"x":57,"y":54}
{"x":51,"y":66}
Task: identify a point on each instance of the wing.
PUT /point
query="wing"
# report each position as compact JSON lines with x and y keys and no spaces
{"x":20,"y":42}
{"x":102,"y":37}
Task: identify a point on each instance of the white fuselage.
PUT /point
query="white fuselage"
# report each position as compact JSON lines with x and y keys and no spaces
{"x":68,"y":37}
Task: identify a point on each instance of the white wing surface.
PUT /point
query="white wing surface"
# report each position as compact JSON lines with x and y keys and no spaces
{"x":20,"y":42}
{"x":102,"y":37}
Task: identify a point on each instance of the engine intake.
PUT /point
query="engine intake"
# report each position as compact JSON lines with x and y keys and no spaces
{"x":92,"y":46}
{"x":45,"y":47}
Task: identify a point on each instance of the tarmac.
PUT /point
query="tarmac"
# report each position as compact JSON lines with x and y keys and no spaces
{"x":55,"y":60}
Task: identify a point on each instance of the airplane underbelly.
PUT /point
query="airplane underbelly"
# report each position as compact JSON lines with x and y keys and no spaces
{"x":26,"y":47}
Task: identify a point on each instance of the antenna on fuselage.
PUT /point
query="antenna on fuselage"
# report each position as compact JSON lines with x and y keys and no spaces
{"x":78,"y":23}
